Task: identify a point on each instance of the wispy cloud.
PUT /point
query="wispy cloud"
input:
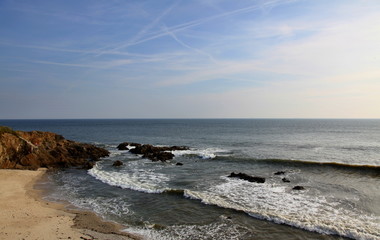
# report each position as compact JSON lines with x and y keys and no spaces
{"x":337,"y":53}
{"x":339,"y":48}
{"x":67,"y":64}
{"x":271,"y":58}
{"x":87,"y":51}
{"x":96,"y":65}
{"x":62,"y":15}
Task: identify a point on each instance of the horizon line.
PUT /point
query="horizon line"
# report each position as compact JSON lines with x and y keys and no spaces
{"x":199,"y":118}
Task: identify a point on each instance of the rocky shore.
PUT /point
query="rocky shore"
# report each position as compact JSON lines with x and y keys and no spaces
{"x":33,"y":150}
{"x":26,"y":215}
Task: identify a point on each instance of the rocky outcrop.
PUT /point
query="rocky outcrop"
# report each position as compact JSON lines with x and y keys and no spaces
{"x":127,"y":145}
{"x":147,"y":148}
{"x":31,"y":150}
{"x":247,"y":177}
{"x":159,"y":156}
{"x":151,"y":152}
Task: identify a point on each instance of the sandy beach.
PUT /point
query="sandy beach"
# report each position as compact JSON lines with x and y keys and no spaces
{"x":24,"y":215}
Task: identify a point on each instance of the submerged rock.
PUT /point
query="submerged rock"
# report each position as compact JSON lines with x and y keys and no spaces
{"x":32,"y":150}
{"x":179,"y":164}
{"x":117,"y":163}
{"x":285,"y":180}
{"x":247,"y":177}
{"x":298,"y":188}
{"x":279,"y":173}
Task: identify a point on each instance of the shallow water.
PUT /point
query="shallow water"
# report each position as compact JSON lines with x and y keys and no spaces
{"x":336,"y":161}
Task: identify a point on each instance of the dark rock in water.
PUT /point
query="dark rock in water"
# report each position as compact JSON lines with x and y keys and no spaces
{"x":143,"y":149}
{"x":88,"y":165}
{"x":147,"y":148}
{"x":279,"y":173}
{"x":247,"y":177}
{"x":298,"y":188}
{"x":156,"y":153}
{"x":285,"y":180}
{"x":124,"y":145}
{"x":32,"y":150}
{"x":179,"y":164}
{"x":178,"y":148}
{"x":117,"y":163}
{"x":159,"y":156}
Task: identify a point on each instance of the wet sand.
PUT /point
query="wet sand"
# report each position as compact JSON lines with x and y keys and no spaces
{"x":24,"y":215}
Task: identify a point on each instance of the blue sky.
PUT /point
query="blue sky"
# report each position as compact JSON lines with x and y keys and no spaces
{"x":189,"y":59}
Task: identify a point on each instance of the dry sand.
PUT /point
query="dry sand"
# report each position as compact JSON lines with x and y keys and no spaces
{"x":24,"y":215}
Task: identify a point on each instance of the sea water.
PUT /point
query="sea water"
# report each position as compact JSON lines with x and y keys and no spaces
{"x":336,"y":161}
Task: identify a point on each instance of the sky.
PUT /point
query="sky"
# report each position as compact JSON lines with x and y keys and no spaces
{"x":189,"y":59}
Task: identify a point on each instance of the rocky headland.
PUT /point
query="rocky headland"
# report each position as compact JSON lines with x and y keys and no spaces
{"x":32,"y":150}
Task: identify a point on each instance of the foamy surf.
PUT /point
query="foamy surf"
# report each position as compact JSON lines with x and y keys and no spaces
{"x":279,"y":205}
{"x":222,"y":230}
{"x":208,"y":153}
{"x":135,"y":178}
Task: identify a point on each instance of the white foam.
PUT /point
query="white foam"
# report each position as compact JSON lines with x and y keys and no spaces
{"x":278,"y":204}
{"x":135,"y":178}
{"x":131,"y":147}
{"x":103,"y":206}
{"x":114,"y":153}
{"x":72,"y":192}
{"x":208,"y":153}
{"x":219,"y":230}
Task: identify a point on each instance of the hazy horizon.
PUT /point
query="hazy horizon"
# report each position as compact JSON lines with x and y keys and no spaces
{"x":58,"y":119}
{"x":201,"y":59}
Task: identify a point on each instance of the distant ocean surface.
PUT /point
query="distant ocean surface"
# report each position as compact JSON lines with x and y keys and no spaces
{"x":336,"y":161}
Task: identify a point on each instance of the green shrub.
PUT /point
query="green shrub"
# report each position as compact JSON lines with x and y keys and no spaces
{"x":4,"y":129}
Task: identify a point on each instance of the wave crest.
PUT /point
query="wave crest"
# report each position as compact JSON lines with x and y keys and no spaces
{"x":277,"y":204}
{"x":208,"y":153}
{"x":148,"y":182}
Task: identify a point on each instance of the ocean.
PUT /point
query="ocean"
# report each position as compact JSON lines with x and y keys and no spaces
{"x":337,"y":162}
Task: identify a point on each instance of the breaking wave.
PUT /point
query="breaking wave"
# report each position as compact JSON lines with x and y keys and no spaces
{"x":208,"y":153}
{"x":137,"y":179}
{"x":280,"y":205}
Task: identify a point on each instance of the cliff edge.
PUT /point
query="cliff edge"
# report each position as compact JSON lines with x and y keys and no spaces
{"x":32,"y":150}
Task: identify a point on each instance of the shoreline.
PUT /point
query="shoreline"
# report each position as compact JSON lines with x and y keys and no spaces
{"x":25,"y":215}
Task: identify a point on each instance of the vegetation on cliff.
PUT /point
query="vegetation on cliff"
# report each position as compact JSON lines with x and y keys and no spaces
{"x":4,"y":129}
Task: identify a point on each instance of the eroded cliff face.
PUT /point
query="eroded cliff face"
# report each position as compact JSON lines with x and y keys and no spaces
{"x":31,"y":150}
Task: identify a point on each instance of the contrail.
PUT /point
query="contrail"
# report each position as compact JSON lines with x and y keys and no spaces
{"x":144,"y":30}
{"x":172,"y":34}
{"x":198,"y":22}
